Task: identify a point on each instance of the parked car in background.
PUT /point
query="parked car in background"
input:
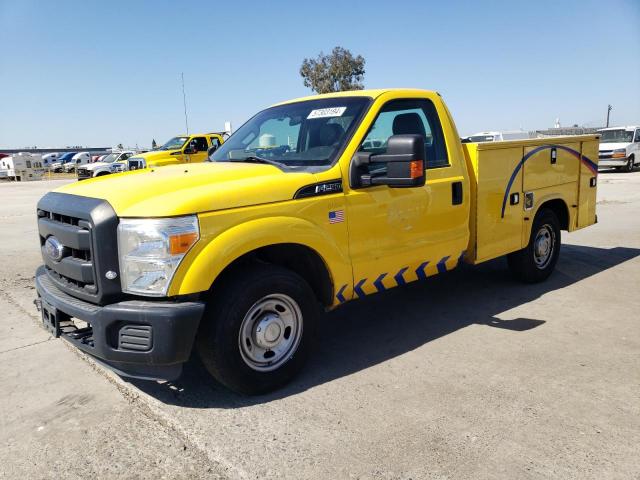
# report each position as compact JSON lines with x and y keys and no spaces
{"x":80,"y":158}
{"x":62,"y":160}
{"x":619,"y":148}
{"x":112,"y":163}
{"x":183,"y":149}
{"x":497,"y":136}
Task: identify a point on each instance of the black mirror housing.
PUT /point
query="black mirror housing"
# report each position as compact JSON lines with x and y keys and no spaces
{"x":404,"y":159}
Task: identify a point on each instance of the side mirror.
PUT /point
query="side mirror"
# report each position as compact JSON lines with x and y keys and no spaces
{"x":403,"y":164}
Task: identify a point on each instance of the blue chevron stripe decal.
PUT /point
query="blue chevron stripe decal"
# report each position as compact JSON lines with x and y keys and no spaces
{"x":358,"y":288}
{"x":442,"y":265}
{"x":420,"y":271}
{"x":399,"y":276}
{"x":378,"y":283}
{"x":340,"y":294}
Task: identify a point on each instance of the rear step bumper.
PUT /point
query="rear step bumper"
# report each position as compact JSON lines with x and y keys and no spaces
{"x":148,"y":340}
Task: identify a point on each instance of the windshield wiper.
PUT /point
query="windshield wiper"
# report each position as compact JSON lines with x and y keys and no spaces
{"x":254,"y":159}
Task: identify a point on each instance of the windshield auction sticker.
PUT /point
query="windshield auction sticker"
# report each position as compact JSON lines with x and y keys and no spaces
{"x":326,"y":112}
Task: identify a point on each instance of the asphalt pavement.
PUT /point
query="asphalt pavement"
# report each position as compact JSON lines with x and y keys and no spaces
{"x":467,"y":375}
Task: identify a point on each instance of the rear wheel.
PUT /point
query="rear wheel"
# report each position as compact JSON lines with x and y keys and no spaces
{"x":537,"y":260}
{"x":257,"y":329}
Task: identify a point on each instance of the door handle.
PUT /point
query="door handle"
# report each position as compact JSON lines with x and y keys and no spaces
{"x":456,"y":193}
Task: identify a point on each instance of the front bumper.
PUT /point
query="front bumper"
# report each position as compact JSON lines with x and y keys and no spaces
{"x":148,"y":340}
{"x":612,"y":162}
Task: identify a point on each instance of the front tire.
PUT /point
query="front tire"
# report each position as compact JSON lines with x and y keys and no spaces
{"x":257,"y":328}
{"x":538,"y":259}
{"x":630,"y":164}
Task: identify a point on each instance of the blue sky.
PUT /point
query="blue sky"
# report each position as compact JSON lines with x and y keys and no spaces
{"x":100,"y":73}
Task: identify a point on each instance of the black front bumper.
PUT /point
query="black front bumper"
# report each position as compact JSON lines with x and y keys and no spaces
{"x":140,"y":339}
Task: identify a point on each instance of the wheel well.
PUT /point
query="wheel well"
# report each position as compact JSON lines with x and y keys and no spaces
{"x":99,"y":174}
{"x":301,"y":259}
{"x":558,"y":207}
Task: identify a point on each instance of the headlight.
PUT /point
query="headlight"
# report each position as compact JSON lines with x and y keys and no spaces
{"x":150,"y":250}
{"x":619,"y":153}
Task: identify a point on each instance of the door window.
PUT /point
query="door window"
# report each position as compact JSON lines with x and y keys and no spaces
{"x":638,"y":135}
{"x":407,"y":117}
{"x":200,"y":144}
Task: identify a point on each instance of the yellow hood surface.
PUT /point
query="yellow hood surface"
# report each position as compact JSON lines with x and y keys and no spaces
{"x":191,"y":188}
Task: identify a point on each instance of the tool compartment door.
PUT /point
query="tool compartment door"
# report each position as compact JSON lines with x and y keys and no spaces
{"x":587,"y":184}
{"x":499,"y":216}
{"x":550,"y":165}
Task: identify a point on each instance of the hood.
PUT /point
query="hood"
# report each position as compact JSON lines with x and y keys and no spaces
{"x":150,"y":156}
{"x":613,"y":146}
{"x":96,"y":165}
{"x":193,"y":188}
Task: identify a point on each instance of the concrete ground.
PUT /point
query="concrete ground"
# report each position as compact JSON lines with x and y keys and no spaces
{"x":468,"y":375}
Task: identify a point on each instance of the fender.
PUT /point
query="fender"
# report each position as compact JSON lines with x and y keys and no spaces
{"x":539,"y":202}
{"x":202,"y":265}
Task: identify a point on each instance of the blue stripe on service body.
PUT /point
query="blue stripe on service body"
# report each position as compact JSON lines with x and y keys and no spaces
{"x":442,"y":265}
{"x":358,"y":288}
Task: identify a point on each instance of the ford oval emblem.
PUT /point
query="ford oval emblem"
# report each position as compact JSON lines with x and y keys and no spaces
{"x":54,"y":249}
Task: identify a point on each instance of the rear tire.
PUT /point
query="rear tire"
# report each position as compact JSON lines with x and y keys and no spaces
{"x":257,"y":328}
{"x":537,"y":260}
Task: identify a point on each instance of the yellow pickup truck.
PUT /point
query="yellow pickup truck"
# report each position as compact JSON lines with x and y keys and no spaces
{"x":182,"y":149}
{"x":310,"y":204}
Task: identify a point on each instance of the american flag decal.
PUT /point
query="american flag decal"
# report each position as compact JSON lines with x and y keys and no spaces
{"x":336,"y":216}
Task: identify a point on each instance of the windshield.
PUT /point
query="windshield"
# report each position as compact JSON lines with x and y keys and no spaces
{"x":616,"y":136}
{"x":481,"y":138}
{"x":174,"y":144}
{"x":110,"y":158}
{"x":307,"y":133}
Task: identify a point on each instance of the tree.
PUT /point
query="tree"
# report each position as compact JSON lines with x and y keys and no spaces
{"x":154,"y":145}
{"x":335,"y":72}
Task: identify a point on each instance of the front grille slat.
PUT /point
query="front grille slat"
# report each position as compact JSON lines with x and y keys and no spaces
{"x":70,"y":234}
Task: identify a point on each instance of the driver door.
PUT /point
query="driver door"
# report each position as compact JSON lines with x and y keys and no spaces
{"x":200,"y":147}
{"x":398,"y":235}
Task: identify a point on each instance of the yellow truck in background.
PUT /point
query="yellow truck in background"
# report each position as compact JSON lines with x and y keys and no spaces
{"x":181,"y":149}
{"x":310,"y":204}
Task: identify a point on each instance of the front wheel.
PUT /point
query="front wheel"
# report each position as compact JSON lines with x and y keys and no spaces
{"x":537,"y":260}
{"x":257,"y":328}
{"x":630,"y":164}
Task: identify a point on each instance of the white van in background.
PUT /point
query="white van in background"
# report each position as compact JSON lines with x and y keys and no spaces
{"x":619,"y":148}
{"x":80,"y":158}
{"x":498,"y":136}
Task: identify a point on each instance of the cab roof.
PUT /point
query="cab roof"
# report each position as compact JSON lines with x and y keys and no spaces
{"x":628,"y":127}
{"x":372,"y":93}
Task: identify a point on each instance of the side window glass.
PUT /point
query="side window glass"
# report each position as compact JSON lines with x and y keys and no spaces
{"x":201,"y":144}
{"x":638,"y":135}
{"x":215,"y":142}
{"x":407,"y":117}
{"x":28,"y":163}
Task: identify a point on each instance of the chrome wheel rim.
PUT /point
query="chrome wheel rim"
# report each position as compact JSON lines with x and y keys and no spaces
{"x":544,"y":246}
{"x":270,"y":332}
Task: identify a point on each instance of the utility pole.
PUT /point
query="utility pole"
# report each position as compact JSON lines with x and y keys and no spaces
{"x":609,"y":108}
{"x":184,"y":101}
